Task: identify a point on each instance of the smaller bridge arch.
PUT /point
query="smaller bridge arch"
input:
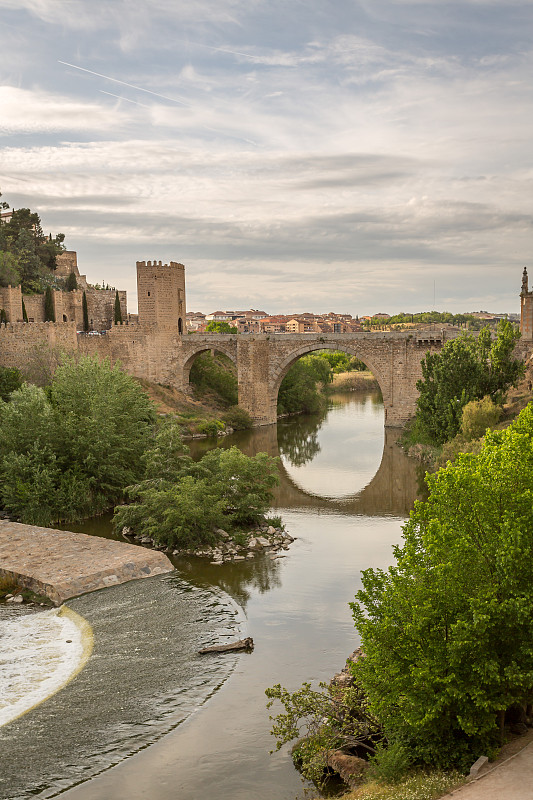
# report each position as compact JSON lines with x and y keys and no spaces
{"x":205,"y":348}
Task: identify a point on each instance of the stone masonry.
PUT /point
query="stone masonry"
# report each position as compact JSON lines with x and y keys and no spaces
{"x":67,"y":305}
{"x":156,"y":349}
{"x":62,"y":564}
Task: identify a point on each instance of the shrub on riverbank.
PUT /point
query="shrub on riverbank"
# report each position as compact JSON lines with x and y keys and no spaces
{"x":447,"y":631}
{"x":181,"y":501}
{"x":69,"y":452}
{"x":420,"y":785}
{"x":467,"y":368}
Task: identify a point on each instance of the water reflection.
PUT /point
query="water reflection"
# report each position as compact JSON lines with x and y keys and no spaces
{"x":240,"y":579}
{"x":298,"y":440}
{"x":350,"y":448}
{"x":343,"y":462}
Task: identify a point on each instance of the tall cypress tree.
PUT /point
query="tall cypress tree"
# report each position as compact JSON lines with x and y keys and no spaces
{"x":71,"y":283}
{"x":85,"y":313}
{"x":24,"y":312}
{"x":3,"y":316}
{"x":118,"y":310}
{"x":49,"y":312}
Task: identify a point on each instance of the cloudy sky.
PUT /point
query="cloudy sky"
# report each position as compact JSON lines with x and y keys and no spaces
{"x":348,"y":155}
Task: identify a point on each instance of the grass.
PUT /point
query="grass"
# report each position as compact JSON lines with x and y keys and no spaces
{"x":189,"y":412}
{"x":276,"y":522}
{"x":417,"y":786}
{"x":347,"y":381}
{"x":7,"y":586}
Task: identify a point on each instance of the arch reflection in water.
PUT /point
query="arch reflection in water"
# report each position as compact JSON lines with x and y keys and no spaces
{"x":352,"y":465}
{"x":347,"y":453}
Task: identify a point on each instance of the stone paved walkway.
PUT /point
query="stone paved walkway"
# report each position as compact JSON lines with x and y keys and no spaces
{"x":510,"y":780}
{"x":62,"y":564}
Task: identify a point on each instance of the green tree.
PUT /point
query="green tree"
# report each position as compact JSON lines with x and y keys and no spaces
{"x":28,"y":256}
{"x":118,"y":310}
{"x":24,"y":312}
{"x":85,"y":312}
{"x":215,"y":326}
{"x":79,"y":443}
{"x":446,"y":632}
{"x":3,"y":316}
{"x":215,"y":377}
{"x":467,"y":368}
{"x":10,"y":380}
{"x":181,"y":501}
{"x":9,"y":269}
{"x":341,"y":362}
{"x":71,"y":284}
{"x":49,"y":310}
{"x":300,"y":389}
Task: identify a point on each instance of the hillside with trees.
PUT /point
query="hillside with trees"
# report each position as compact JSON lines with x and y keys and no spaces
{"x":27,"y":255}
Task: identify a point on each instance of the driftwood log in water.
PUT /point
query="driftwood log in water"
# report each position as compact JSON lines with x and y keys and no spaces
{"x":243,"y":644}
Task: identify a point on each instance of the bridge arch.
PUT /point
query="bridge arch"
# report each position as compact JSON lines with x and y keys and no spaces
{"x":312,"y":347}
{"x":205,"y":347}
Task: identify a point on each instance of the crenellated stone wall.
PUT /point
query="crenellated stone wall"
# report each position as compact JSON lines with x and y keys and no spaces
{"x":18,"y":341}
{"x":156,"y":350}
{"x":161,"y":355}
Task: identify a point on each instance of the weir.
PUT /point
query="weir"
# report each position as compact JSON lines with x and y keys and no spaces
{"x":63,"y":564}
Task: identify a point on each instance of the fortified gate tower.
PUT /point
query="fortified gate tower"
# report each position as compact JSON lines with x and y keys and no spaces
{"x":161,"y":294}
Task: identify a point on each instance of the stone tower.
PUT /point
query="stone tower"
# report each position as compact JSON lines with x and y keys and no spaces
{"x":526,"y":310}
{"x":161,"y":294}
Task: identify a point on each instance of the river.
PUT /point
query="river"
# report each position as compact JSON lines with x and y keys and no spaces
{"x":345,"y":489}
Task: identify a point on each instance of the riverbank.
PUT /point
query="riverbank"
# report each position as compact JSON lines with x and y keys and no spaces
{"x":433,"y":457}
{"x":232,"y":546}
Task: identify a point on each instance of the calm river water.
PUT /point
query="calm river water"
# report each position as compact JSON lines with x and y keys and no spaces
{"x":345,"y":490}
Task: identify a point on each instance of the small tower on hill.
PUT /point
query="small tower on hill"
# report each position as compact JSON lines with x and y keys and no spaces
{"x":526,"y":310}
{"x":161,"y":294}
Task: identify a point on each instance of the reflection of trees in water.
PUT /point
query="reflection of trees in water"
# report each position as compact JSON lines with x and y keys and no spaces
{"x":234,"y":578}
{"x":297,"y":440}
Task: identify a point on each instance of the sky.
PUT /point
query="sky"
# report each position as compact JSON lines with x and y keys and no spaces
{"x":356,"y":156}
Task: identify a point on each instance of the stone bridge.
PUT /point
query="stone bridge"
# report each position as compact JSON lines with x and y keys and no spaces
{"x":262,"y":362}
{"x":163,"y":356}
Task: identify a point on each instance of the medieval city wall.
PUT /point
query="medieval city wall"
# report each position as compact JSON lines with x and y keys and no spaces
{"x":19,"y":341}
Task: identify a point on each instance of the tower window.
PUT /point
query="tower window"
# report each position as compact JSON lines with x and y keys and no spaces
{"x":148,"y":294}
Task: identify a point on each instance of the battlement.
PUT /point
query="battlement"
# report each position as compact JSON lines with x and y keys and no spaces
{"x":172,"y":265}
{"x":34,"y":329}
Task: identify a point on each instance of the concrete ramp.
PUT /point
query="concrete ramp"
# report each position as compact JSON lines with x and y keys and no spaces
{"x":62,"y":564}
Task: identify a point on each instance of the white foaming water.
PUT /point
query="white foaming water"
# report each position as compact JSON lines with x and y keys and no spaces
{"x":39,"y":654}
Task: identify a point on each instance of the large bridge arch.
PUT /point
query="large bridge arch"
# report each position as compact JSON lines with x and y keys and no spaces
{"x":393,"y":357}
{"x":312,"y":347}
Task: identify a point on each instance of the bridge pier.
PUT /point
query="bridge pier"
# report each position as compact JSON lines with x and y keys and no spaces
{"x":253,"y":375}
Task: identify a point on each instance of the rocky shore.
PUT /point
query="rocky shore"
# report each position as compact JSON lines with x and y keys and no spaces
{"x":265,"y":539}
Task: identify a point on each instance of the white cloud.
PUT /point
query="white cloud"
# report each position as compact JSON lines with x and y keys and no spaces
{"x":37,"y":111}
